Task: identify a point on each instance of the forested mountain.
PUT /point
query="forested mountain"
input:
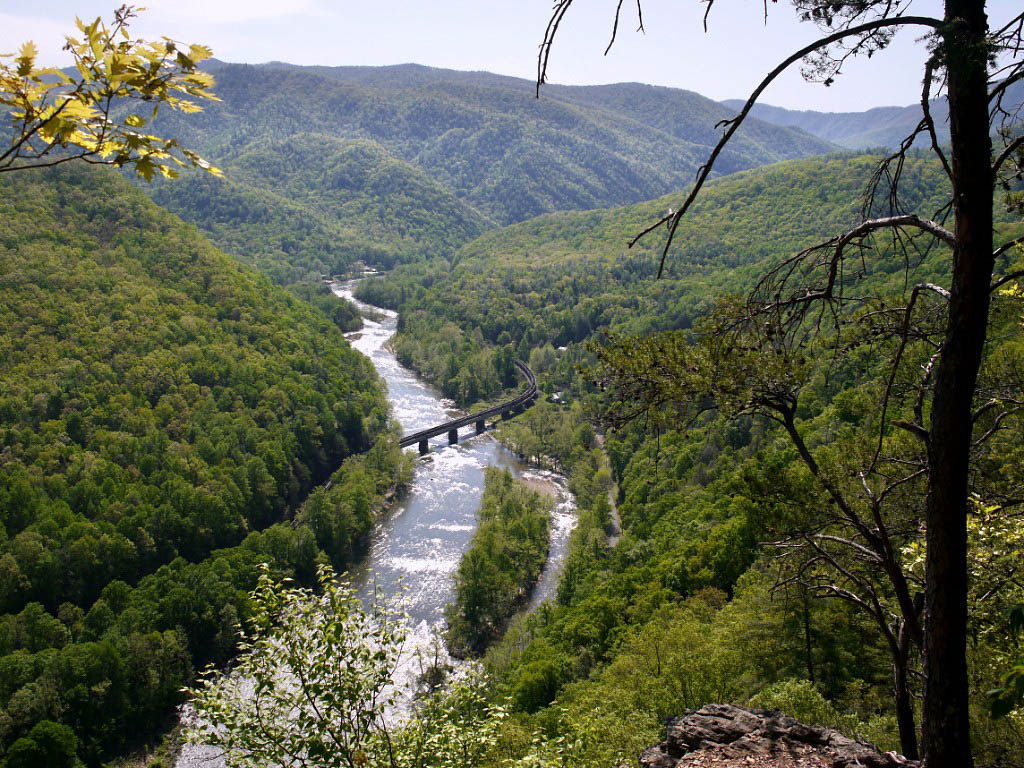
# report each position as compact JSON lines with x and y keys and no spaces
{"x":312,"y":204}
{"x":878,"y":127}
{"x":164,"y":413}
{"x":684,"y":115}
{"x":460,"y":151}
{"x":560,"y":278}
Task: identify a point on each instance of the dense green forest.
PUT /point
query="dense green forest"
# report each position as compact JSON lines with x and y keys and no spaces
{"x":688,"y":607}
{"x":501,"y":564}
{"x":309,"y":204}
{"x":164,"y":413}
{"x":559,"y":279}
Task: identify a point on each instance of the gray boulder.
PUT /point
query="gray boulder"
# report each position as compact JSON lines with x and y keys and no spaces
{"x":737,"y":732}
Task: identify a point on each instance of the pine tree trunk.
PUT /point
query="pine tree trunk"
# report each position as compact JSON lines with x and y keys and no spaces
{"x":904,"y":708}
{"x":945,"y":726}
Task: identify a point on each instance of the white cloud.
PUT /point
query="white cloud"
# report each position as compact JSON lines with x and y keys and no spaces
{"x":46,"y":34}
{"x":226,"y":11}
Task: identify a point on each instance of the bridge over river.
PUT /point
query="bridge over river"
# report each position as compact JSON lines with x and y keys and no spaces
{"x":452,"y":427}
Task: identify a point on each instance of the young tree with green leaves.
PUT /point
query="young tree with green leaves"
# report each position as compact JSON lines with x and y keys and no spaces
{"x":98,"y":113}
{"x":317,"y":683}
{"x":819,"y":289}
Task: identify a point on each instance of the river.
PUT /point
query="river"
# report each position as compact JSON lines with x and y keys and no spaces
{"x":421,"y":540}
{"x":417,"y":544}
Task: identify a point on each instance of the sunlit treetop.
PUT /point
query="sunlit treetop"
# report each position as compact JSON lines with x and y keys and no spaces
{"x":100,"y":113}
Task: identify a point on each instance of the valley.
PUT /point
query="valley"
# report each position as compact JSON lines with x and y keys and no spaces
{"x":393,"y":164}
{"x":415,"y":545}
{"x":729,"y":482}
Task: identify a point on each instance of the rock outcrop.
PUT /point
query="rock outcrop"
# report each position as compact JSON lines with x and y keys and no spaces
{"x":724,"y":735}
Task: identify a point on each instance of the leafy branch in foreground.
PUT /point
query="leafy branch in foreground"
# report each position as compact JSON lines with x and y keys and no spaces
{"x":317,"y":684}
{"x":56,"y":117}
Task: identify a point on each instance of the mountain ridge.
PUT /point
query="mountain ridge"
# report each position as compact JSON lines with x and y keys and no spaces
{"x":883,"y":126}
{"x":501,"y":154}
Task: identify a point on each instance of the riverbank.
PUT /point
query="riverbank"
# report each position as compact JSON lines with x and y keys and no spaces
{"x":498,"y":571}
{"x":416,"y":542}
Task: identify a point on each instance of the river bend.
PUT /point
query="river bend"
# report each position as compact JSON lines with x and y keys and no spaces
{"x":420,"y":541}
{"x":417,"y":544}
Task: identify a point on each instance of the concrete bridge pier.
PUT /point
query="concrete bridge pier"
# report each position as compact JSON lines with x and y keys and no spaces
{"x":480,"y":427}
{"x":424,"y":447}
{"x":453,"y":436}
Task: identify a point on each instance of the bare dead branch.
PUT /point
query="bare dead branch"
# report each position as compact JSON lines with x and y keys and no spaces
{"x":915,"y":429}
{"x":929,"y":122}
{"x":997,"y":92}
{"x":734,"y":124}
{"x":1016,"y":21}
{"x":859,"y":548}
{"x":849,"y":513}
{"x":982,"y":410}
{"x":1007,"y":152}
{"x":902,"y":481}
{"x":996,"y":426}
{"x":561,"y":8}
{"x":615,"y":27}
{"x":890,"y":170}
{"x":1006,"y":247}
{"x":707,"y":12}
{"x":1008,"y":277}
{"x":787,"y":312}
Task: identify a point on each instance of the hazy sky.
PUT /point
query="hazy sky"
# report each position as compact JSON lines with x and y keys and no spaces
{"x":502,"y":36}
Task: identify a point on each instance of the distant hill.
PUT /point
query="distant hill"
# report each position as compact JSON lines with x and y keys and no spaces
{"x":312,"y":204}
{"x":468,"y":150}
{"x":684,"y":115}
{"x":561,"y":278}
{"x":879,"y":127}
